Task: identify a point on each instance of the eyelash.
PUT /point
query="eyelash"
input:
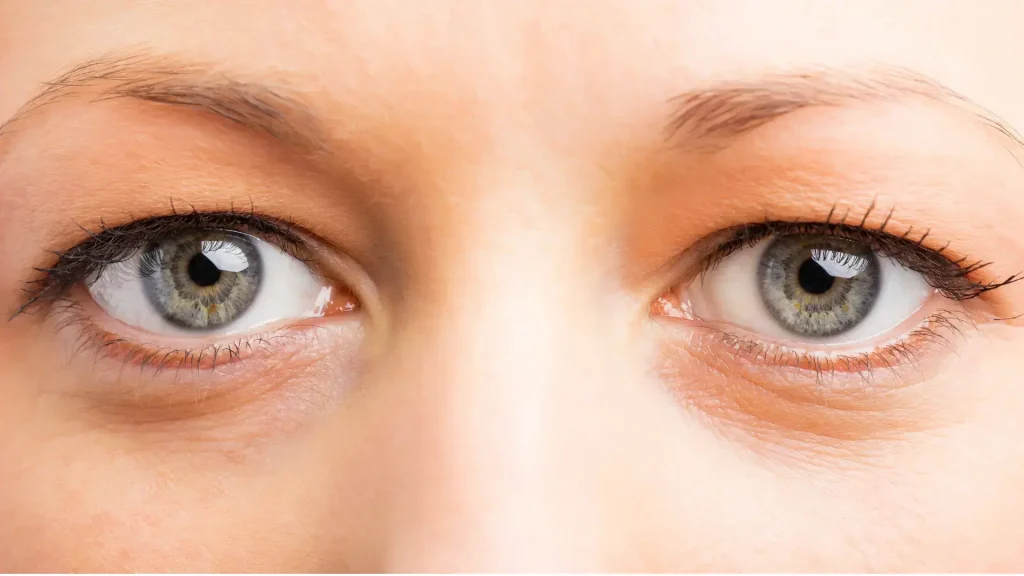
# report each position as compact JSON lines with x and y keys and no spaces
{"x":939,"y":329}
{"x":147,"y":356}
{"x":108,"y":246}
{"x":115,"y":245}
{"x":952,"y":278}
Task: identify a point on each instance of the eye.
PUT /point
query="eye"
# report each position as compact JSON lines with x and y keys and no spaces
{"x":809,"y":287}
{"x":207,"y":281}
{"x":194,"y":291}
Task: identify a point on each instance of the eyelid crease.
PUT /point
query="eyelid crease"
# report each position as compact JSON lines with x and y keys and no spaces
{"x":110,"y":246}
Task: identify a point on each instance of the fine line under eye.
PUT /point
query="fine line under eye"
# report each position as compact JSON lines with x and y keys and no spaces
{"x":110,"y":246}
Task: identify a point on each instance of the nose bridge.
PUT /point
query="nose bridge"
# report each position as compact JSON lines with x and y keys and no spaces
{"x":511,"y":388}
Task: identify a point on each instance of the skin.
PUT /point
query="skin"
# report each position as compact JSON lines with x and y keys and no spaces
{"x":498,"y":193}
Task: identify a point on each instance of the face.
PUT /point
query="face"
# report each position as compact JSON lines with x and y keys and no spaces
{"x":511,"y":286}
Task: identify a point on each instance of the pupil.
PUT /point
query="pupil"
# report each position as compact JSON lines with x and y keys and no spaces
{"x":203,"y":271}
{"x":814,"y":279}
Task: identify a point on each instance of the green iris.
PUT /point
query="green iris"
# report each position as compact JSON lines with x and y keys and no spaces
{"x":203,"y":279}
{"x":818,"y":286}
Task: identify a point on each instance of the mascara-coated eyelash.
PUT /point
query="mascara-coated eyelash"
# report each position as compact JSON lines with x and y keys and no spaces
{"x":111,"y":246}
{"x":954,"y":279}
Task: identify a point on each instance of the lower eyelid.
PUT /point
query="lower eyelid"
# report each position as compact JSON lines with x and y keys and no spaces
{"x":278,"y":378}
{"x":120,"y":350}
{"x":905,"y":356}
{"x":770,"y":398}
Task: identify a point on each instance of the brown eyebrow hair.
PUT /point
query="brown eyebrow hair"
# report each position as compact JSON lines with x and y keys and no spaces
{"x":703,"y":118}
{"x":169,"y":80}
{"x":709,"y":117}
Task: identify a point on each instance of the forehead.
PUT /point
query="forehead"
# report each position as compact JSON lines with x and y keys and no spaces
{"x":557,"y":64}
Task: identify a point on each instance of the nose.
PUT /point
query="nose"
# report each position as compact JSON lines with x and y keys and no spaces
{"x":511,"y":442}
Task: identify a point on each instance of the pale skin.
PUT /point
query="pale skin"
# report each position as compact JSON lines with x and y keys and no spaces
{"x":495,"y":185}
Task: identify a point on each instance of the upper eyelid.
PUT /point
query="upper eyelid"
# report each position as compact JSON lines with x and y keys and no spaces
{"x":283,"y":234}
{"x":856,"y":224}
{"x":81,"y":260}
{"x":952,"y":276}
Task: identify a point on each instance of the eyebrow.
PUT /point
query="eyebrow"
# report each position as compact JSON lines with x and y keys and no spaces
{"x":710,"y":117}
{"x":703,"y":118}
{"x":167,"y":80}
